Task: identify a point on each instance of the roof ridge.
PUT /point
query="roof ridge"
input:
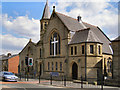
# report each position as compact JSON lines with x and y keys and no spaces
{"x":82,"y":30}
{"x":75,"y":19}
{"x":90,"y":24}
{"x":93,"y":34}
{"x":33,"y":43}
{"x":66,"y":15}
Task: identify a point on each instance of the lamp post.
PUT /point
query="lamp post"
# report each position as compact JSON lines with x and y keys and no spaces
{"x":27,"y":73}
{"x":27,"y":64}
{"x":105,"y":79}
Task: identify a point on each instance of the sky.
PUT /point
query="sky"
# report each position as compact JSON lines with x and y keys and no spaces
{"x":20,"y":20}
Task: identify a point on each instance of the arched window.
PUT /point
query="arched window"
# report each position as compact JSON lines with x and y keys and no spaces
{"x":109,"y":65}
{"x":99,"y":51}
{"x":40,"y":53}
{"x":22,"y":65}
{"x":41,"y":26}
{"x":55,"y":44}
{"x":45,"y":25}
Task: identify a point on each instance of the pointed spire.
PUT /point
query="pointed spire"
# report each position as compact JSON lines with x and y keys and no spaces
{"x":46,"y":12}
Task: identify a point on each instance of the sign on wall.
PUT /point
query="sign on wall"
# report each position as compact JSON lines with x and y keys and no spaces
{"x":54,"y":73}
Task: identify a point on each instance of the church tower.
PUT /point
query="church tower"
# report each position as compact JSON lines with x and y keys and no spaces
{"x":44,"y":20}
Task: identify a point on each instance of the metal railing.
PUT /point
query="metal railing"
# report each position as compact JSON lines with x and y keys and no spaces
{"x":64,"y":81}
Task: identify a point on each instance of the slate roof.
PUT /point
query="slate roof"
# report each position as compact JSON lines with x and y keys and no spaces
{"x":6,"y":57}
{"x":46,"y":12}
{"x":71,"y":23}
{"x":94,"y":34}
{"x":102,"y":37}
{"x":84,"y":36}
{"x":3,"y":58}
{"x":2,"y":55}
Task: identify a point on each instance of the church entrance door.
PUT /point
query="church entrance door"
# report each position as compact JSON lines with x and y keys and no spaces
{"x":74,"y":71}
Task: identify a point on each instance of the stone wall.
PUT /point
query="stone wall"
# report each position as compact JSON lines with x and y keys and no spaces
{"x":116,"y":61}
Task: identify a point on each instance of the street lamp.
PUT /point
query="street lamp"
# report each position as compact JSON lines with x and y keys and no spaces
{"x":105,"y":78}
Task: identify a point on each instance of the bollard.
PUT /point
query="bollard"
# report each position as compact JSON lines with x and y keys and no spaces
{"x":27,"y":77}
{"x":101,"y":85}
{"x":20,"y":76}
{"x":102,"y":81}
{"x":51,"y":79}
{"x":28,"y":73}
{"x":64,"y":80}
{"x":81,"y":82}
{"x":39,"y":78}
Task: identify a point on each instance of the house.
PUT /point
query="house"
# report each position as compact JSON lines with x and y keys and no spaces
{"x":9,"y":63}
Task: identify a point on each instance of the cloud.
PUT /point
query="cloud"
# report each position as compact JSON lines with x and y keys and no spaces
{"x":12,"y":44}
{"x":18,"y":31}
{"x":22,"y":26}
{"x":100,"y":13}
{"x":84,"y":0}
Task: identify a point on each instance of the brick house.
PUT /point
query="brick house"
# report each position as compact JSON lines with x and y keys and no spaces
{"x":10,"y":63}
{"x":13,"y":63}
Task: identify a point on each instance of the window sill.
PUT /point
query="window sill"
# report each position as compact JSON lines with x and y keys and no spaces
{"x":56,"y":57}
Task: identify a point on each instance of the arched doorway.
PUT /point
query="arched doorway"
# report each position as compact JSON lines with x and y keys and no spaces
{"x":74,"y":71}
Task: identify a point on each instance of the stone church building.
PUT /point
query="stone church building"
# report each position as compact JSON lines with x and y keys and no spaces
{"x":69,"y":47}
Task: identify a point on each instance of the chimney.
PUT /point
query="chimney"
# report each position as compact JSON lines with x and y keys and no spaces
{"x":9,"y":54}
{"x":79,"y":19}
{"x":53,"y":8}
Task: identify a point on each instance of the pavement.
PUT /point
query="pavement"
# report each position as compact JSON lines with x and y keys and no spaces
{"x":69,"y":85}
{"x":62,"y":84}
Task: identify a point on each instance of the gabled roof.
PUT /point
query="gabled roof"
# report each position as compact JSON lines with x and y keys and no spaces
{"x":71,"y":23}
{"x":28,"y":44}
{"x":39,"y":42}
{"x":6,"y":57}
{"x":102,"y":37}
{"x":84,"y":36}
{"x":93,"y":34}
{"x":46,"y":12}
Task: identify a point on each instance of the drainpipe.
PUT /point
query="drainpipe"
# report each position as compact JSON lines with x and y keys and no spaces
{"x":85,"y":61}
{"x":43,"y":59}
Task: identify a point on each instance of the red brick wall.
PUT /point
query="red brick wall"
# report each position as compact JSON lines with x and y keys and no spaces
{"x":13,"y":64}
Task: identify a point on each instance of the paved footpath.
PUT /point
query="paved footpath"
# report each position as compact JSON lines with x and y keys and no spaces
{"x":34,"y":83}
{"x":23,"y":85}
{"x":69,"y":84}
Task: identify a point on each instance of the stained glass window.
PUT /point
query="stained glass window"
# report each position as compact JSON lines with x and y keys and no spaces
{"x":55,"y":44}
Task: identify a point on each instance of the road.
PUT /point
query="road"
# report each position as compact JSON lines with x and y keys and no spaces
{"x":24,"y":84}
